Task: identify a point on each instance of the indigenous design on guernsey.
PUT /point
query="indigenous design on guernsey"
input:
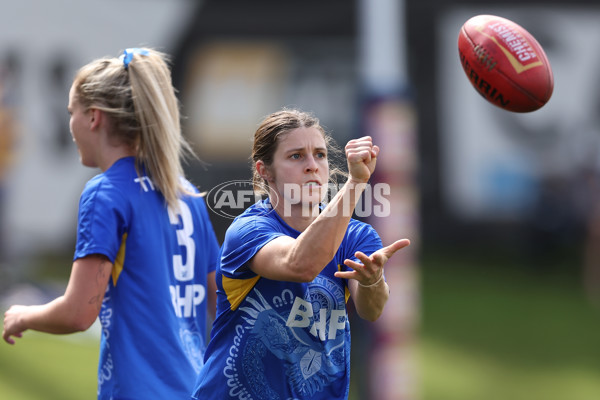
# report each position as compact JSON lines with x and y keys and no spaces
{"x":310,"y":361}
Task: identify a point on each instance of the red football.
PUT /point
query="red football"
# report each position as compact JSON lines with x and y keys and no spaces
{"x":505,"y":63}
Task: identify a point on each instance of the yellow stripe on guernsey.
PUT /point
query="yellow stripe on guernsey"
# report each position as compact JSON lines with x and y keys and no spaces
{"x":119,"y":260}
{"x":346,"y":291}
{"x":237,"y":289}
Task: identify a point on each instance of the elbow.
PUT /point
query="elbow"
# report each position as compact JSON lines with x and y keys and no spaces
{"x":71,"y":316}
{"x":302,"y":271}
{"x":77,"y":326}
{"x":304,"y":276}
{"x":372,"y":315}
{"x":84,"y":326}
{"x":308,"y":268}
{"x":81,"y":323}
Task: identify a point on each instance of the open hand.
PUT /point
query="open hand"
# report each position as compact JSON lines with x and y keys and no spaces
{"x":371,"y":270}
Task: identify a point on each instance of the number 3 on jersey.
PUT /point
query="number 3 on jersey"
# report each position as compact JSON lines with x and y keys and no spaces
{"x":185,"y":230}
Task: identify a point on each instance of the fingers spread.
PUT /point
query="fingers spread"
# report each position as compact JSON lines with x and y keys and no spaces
{"x":379,"y":258}
{"x":394,"y":247}
{"x":353,"y":264}
{"x":365,"y":259}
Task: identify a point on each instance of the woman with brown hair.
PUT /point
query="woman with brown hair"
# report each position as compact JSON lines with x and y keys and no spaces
{"x":287,"y":268}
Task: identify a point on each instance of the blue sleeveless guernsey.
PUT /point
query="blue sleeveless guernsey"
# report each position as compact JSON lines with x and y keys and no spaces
{"x":276,"y":339}
{"x":153,"y":315}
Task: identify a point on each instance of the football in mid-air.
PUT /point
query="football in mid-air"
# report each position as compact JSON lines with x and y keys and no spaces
{"x":505,"y":63}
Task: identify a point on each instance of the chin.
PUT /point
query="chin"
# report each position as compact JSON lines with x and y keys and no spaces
{"x":312,"y":201}
{"x":87,"y":163}
{"x":314,"y":195}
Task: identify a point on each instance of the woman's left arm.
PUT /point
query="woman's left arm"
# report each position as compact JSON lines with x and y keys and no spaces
{"x":367,"y":286}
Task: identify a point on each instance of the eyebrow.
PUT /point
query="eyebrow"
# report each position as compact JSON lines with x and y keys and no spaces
{"x":303,"y":148}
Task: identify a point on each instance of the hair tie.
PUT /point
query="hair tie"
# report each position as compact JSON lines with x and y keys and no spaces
{"x":127,"y":55}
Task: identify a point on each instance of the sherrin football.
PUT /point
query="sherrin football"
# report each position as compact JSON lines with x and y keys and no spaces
{"x":505,"y":63}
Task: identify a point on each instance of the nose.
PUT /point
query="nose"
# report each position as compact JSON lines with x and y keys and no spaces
{"x":311,"y":164}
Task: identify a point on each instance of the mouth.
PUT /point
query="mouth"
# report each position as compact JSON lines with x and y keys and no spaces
{"x":312,"y":184}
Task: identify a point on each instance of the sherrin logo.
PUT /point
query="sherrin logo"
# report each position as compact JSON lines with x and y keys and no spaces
{"x":516,"y":48}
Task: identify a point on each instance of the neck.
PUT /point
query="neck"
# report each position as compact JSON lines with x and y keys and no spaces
{"x":113,"y":154}
{"x":297,"y":216}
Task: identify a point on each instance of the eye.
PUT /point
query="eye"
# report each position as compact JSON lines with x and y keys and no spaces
{"x":295,"y":156}
{"x":321,"y":154}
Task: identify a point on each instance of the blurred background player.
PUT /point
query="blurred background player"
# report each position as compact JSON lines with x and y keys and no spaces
{"x":145,"y":253}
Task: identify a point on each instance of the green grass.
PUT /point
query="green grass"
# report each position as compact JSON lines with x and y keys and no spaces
{"x":506,"y":332}
{"x":453,"y":373}
{"x":496,"y":330}
{"x":48,"y":367}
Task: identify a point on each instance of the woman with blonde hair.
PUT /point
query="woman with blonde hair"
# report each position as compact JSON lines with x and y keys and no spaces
{"x":146,"y":251}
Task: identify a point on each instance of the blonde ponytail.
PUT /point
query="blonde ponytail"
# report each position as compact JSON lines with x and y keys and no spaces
{"x":139,"y":97}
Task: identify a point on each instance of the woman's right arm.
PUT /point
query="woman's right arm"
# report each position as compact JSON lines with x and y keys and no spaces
{"x":303,"y":258}
{"x":74,"y":311}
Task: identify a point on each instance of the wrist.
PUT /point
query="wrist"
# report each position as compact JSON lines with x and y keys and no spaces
{"x":354,"y":183}
{"x":374,"y":284}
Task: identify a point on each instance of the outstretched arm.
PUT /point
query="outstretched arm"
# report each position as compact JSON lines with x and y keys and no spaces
{"x":303,"y":258}
{"x":74,"y":311}
{"x":368,"y":289}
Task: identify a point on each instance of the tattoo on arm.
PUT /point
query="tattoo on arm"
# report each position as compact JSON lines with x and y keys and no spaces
{"x":100,"y":278}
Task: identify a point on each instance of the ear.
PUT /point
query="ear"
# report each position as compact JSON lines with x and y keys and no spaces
{"x":263,"y":171}
{"x":95,"y":118}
